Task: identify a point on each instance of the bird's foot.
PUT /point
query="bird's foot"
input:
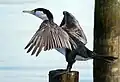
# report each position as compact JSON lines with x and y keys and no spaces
{"x":61,"y":73}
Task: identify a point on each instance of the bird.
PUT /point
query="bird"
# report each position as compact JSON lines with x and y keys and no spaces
{"x":67,"y":38}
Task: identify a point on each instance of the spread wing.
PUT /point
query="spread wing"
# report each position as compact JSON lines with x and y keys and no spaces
{"x":48,"y":37}
{"x":72,"y":27}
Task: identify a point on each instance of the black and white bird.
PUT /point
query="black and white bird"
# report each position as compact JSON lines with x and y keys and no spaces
{"x":68,"y":38}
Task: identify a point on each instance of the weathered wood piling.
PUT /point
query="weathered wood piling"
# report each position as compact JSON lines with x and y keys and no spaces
{"x":107,"y":40}
{"x":72,"y":76}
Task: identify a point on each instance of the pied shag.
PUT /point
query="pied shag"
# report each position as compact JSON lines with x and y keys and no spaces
{"x":68,"y":38}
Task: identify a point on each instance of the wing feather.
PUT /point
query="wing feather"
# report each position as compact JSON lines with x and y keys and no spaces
{"x":72,"y":27}
{"x":55,"y":39}
{"x":31,"y":41}
{"x":36,"y":46}
{"x":40,"y":46}
{"x":32,"y":44}
{"x":48,"y":37}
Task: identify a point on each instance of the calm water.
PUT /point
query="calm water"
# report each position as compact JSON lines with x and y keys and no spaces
{"x":26,"y":68}
{"x":32,"y":74}
{"x":17,"y":28}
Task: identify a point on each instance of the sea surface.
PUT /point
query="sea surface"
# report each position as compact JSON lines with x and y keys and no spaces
{"x":34,"y":74}
{"x":26,"y":68}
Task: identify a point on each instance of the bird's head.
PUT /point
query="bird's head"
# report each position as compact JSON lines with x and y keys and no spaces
{"x":42,"y":13}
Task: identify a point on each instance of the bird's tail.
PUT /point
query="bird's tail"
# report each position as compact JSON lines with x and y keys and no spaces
{"x":105,"y":58}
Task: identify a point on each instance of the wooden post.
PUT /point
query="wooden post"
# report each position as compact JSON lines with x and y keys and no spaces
{"x":107,"y":39}
{"x":72,"y":76}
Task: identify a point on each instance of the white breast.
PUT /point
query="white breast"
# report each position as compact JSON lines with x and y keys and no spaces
{"x":61,"y":50}
{"x":78,"y":58}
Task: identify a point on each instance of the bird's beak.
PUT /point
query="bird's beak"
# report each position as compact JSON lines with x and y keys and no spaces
{"x":26,"y":11}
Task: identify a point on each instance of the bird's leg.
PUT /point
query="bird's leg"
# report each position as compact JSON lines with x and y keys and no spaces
{"x":69,"y":67}
{"x":70,"y":58}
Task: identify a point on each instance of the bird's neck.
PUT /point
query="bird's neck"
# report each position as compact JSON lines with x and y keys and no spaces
{"x":50,"y":16}
{"x":47,"y":19}
{"x":51,"y":21}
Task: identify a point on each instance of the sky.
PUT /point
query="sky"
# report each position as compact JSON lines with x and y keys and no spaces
{"x":17,"y":28}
